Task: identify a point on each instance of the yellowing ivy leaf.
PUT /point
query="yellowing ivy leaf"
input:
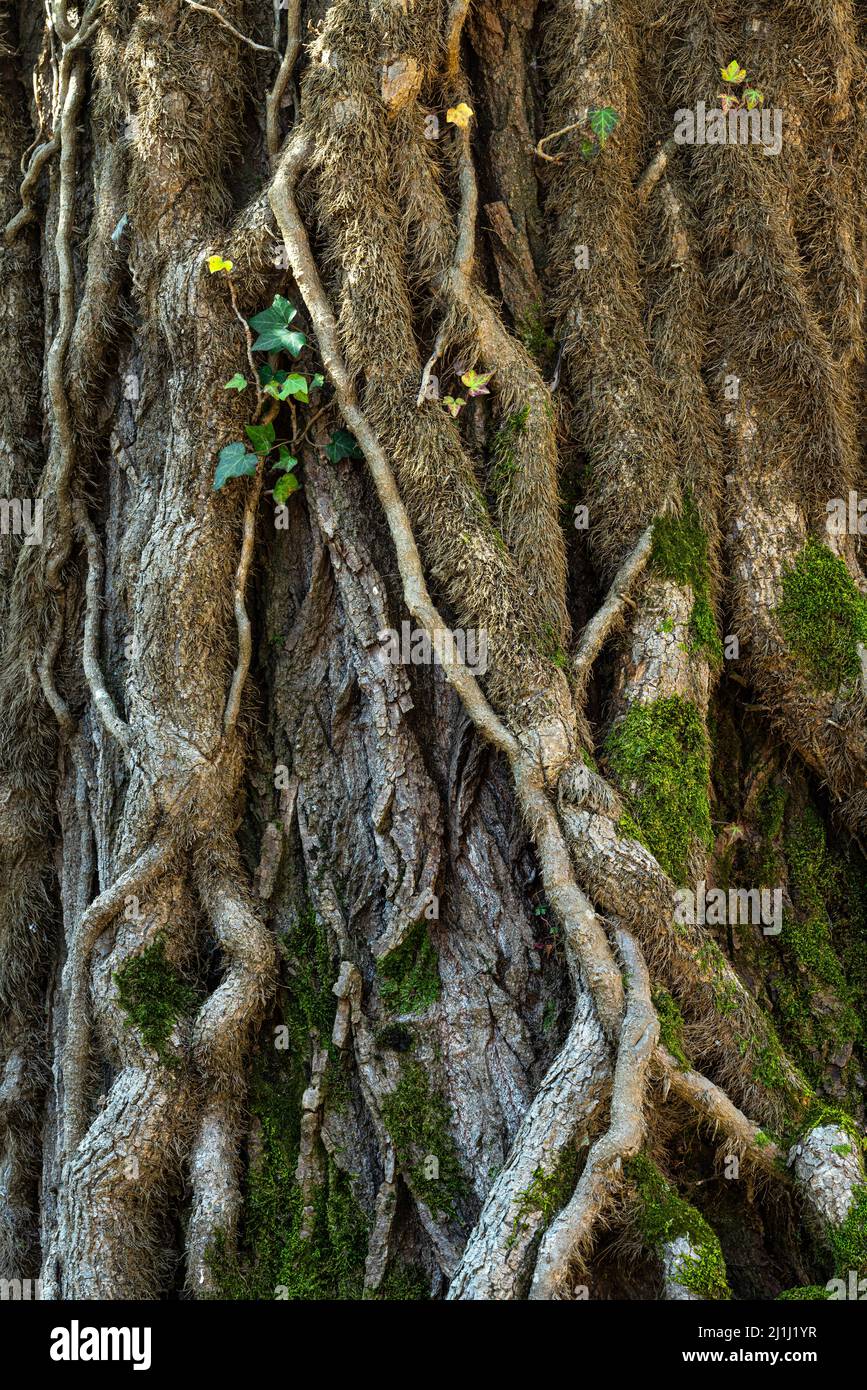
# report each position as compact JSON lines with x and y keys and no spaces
{"x":753,"y":98}
{"x":734,"y":72}
{"x":460,"y":115}
{"x":216,"y":263}
{"x":477,"y":382}
{"x":285,"y":486}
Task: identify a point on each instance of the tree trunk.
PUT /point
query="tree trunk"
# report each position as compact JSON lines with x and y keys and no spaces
{"x":433,"y":659}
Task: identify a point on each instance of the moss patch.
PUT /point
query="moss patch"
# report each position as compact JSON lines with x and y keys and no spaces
{"x":535,"y":337}
{"x":309,"y":1000}
{"x":823,"y":995}
{"x":663,"y":1216}
{"x":418,"y":1119}
{"x":547,"y":1193}
{"x":408,"y":976}
{"x":662,"y":750}
{"x":404,"y":1283}
{"x":812,"y":1292}
{"x":155,"y":996}
{"x":823,"y":617}
{"x":503,"y":461}
{"x":671,"y":1026}
{"x":327,"y":1264}
{"x":849,"y":1241}
{"x":628,"y":828}
{"x":274,"y":1260}
{"x":679,"y":552}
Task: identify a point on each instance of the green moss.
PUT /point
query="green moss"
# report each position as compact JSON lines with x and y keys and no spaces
{"x":713,"y":963}
{"x":823,"y":617}
{"x":328,"y":1263}
{"x":154,"y":996}
{"x":818,"y":1115}
{"x":663,"y":1215}
{"x":769,"y":1067}
{"x":409,"y":976}
{"x":704,"y":632}
{"x":548,"y":646}
{"x":680,"y":553}
{"x":547,"y":1193}
{"x":274,"y":1260}
{"x":627,"y":828}
{"x":811,"y":943}
{"x":535,"y":337}
{"x":771,"y":809}
{"x":825,"y":940}
{"x":671,"y":1026}
{"x":418,"y":1120}
{"x":503,"y":461}
{"x":662,"y":750}
{"x":309,"y":1002}
{"x":849,"y":1241}
{"x":404,"y":1283}
{"x":811,"y":1292}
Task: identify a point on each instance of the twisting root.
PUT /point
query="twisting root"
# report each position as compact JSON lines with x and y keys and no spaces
{"x":27,"y":213}
{"x":713,"y":1106}
{"x":242,"y":574}
{"x":98,"y":916}
{"x":220,"y":1037}
{"x":610,"y":614}
{"x":274,"y":99}
{"x":435,"y":470}
{"x":45,"y":671}
{"x":571,"y":1230}
{"x":112,"y":722}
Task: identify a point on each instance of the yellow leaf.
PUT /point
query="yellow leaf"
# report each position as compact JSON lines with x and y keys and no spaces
{"x":460,"y":115}
{"x":216,"y":263}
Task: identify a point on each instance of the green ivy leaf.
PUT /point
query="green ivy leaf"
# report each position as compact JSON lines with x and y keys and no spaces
{"x":272,"y":326}
{"x":261,"y":437}
{"x":318,"y":380}
{"x":589,"y":149}
{"x":234,"y":462}
{"x":285,"y":460}
{"x":603,"y":120}
{"x":753,"y":98}
{"x":285,"y":486}
{"x":343,"y":445}
{"x":236,"y":383}
{"x":294,"y":385}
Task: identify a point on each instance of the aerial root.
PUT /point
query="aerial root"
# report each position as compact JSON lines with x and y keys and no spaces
{"x":148,"y":866}
{"x":571,"y":1230}
{"x":111,"y":720}
{"x":610,"y":614}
